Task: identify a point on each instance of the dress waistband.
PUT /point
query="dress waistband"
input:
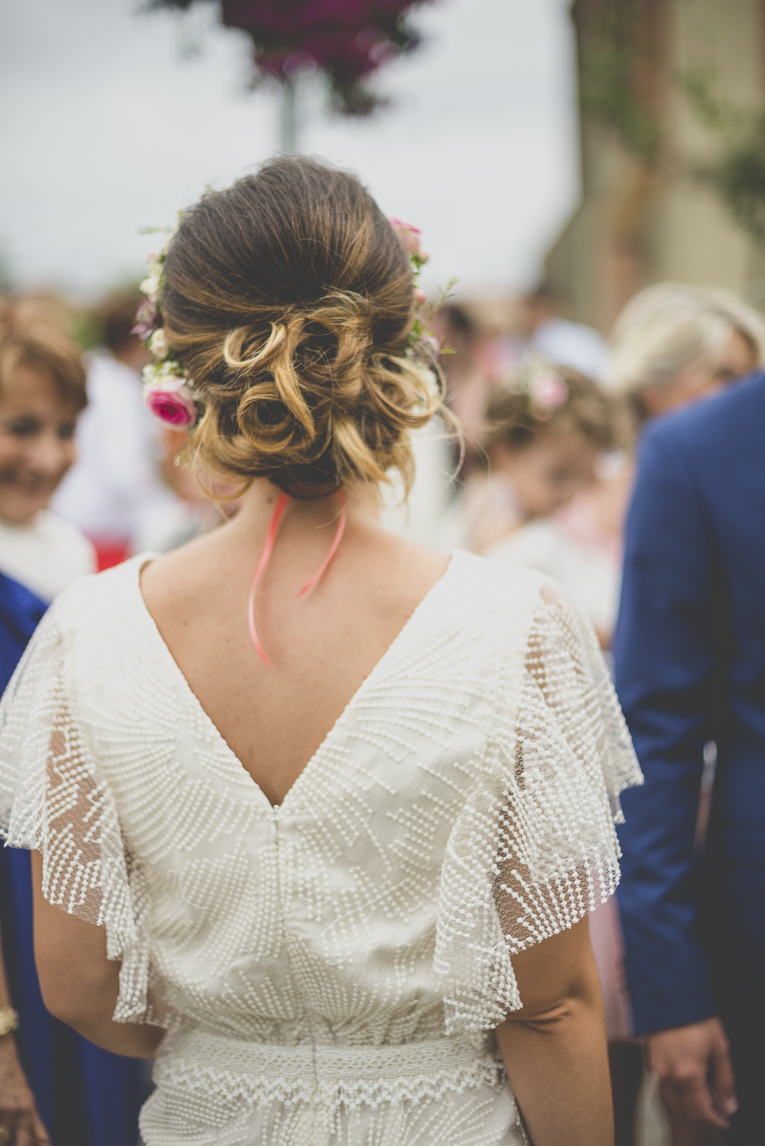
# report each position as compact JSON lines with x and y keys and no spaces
{"x":332,"y":1075}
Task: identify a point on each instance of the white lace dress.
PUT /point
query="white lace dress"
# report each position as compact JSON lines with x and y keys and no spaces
{"x":330,"y":970}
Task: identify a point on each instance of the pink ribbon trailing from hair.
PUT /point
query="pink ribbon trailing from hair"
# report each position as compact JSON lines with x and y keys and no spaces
{"x":281,"y":504}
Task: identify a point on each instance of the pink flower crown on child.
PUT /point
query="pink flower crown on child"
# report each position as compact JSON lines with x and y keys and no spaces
{"x":169,"y":392}
{"x":538,"y":379}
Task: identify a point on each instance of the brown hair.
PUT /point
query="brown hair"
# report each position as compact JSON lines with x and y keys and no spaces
{"x":514,"y":416}
{"x":33,"y":333}
{"x":289,"y":300}
{"x":116,"y":319}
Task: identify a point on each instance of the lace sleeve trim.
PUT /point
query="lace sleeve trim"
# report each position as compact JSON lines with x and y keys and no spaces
{"x":535,"y":848}
{"x":53,"y":800}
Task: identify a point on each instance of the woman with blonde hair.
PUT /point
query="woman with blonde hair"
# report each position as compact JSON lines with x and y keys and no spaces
{"x":673,"y":344}
{"x":324,"y":811}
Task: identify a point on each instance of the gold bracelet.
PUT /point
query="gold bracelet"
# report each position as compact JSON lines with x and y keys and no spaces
{"x":9,"y":1021}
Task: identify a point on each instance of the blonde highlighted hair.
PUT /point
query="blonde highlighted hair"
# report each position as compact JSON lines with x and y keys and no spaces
{"x":289,"y":301}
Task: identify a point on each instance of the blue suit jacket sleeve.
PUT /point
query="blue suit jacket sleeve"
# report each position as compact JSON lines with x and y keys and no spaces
{"x":664,"y":654}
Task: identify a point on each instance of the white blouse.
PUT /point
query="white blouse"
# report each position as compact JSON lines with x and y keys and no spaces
{"x":46,"y":554}
{"x":332,"y":969}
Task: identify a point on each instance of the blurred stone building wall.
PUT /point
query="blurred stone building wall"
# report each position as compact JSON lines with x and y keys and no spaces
{"x":649,"y":210}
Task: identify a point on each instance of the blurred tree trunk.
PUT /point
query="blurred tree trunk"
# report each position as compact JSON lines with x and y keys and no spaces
{"x":645,"y":215}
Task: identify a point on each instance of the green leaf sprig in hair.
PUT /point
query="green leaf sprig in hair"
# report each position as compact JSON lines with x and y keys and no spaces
{"x":424,"y":349}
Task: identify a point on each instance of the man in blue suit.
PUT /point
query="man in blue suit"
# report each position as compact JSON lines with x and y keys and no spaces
{"x":690,"y":670}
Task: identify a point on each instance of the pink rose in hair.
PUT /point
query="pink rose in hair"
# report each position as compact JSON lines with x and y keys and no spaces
{"x":172,"y":402}
{"x":409,"y":237}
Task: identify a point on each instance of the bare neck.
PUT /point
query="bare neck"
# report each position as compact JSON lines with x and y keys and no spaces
{"x":321,"y":646}
{"x":258,"y":503}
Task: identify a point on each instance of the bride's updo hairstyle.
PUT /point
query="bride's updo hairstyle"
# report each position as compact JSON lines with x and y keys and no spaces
{"x":289,"y":299}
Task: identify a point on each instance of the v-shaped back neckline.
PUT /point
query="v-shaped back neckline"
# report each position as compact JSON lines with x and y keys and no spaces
{"x":142,"y":560}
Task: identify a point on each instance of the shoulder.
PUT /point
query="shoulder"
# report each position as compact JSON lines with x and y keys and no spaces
{"x":507,"y":581}
{"x":720,"y":421}
{"x":532,"y":545}
{"x":100,"y":605}
{"x":505,"y":588}
{"x":705,"y":455}
{"x":502,"y":598}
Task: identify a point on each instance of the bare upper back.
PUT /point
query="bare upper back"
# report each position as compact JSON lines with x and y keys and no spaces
{"x":322,"y":646}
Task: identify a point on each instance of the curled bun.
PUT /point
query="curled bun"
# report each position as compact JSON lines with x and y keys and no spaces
{"x":289,"y":300}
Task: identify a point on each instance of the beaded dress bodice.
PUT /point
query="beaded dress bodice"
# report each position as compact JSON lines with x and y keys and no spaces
{"x":330,"y":967}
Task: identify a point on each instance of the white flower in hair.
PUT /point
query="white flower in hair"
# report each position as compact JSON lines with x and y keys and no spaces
{"x":153,"y":281}
{"x":430,"y":382}
{"x":158,"y":344}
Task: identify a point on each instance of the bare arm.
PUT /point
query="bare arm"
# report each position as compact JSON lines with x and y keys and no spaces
{"x":554,"y":1049}
{"x":79,"y":984}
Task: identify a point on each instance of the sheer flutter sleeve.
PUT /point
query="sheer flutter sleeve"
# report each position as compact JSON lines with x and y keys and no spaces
{"x":54,"y":799}
{"x":535,"y":848}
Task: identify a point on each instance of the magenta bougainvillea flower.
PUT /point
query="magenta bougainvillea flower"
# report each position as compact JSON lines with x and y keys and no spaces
{"x":346,"y":39}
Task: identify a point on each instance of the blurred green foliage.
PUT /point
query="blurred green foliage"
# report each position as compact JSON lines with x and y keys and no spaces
{"x":86,"y":327}
{"x":738,"y":172}
{"x":613,"y":70}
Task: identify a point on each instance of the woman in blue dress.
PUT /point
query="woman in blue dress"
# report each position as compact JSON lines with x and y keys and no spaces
{"x":55,"y":1086}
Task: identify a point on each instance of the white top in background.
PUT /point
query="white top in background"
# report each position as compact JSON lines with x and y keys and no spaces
{"x":46,"y":555}
{"x":115,"y":481}
{"x":573,"y":344}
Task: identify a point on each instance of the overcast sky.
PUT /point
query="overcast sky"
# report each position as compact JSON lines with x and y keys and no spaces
{"x":109,"y":121}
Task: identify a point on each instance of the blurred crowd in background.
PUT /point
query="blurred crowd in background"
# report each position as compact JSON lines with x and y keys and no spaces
{"x":540,"y":471}
{"x":537,"y":468}
{"x":538,"y":465}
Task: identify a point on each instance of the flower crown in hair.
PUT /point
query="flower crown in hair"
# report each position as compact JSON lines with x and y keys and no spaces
{"x":168,"y":392}
{"x":539,"y":380}
{"x":423,"y":348}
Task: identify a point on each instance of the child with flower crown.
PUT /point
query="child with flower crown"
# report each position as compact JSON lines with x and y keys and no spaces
{"x":325,"y":811}
{"x":544,"y":431}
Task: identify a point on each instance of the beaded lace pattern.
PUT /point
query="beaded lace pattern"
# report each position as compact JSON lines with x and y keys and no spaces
{"x":330,"y":970}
